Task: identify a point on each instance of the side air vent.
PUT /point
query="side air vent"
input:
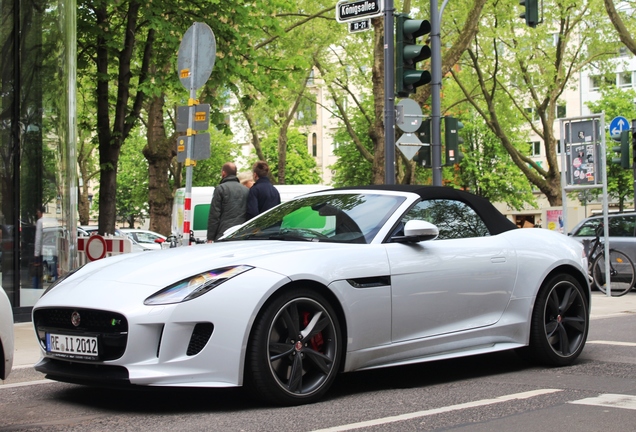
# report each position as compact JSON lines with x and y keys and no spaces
{"x":370,"y":282}
{"x":200,"y":336}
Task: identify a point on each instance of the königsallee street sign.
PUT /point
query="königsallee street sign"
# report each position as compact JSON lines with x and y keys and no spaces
{"x":349,"y":11}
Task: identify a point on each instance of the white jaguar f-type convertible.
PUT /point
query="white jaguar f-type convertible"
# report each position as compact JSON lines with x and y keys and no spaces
{"x":331,"y":282}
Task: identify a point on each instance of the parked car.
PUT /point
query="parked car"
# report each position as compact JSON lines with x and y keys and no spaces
{"x":146,"y":238}
{"x":89,"y":230}
{"x":6,"y":335}
{"x":329,"y":282}
{"x":622,"y":232}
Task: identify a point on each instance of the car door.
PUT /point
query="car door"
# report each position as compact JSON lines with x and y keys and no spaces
{"x":621,"y":234}
{"x":462,"y":280}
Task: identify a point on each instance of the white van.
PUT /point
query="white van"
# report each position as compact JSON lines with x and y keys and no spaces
{"x":202,"y":198}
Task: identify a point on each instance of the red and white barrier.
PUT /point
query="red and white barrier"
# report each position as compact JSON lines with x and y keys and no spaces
{"x":96,"y":247}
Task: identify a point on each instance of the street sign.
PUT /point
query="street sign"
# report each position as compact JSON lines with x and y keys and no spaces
{"x":409,"y":145}
{"x":618,"y":125}
{"x":408,"y":115}
{"x":358,"y":26}
{"x":201,"y":119}
{"x":200,"y":147}
{"x":352,"y":11}
{"x":197,"y":54}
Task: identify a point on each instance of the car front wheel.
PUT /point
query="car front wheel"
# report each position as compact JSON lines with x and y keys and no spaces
{"x":560,"y":322}
{"x":294,"y":350}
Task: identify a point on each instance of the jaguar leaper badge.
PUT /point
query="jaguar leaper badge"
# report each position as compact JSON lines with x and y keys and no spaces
{"x":75,"y":318}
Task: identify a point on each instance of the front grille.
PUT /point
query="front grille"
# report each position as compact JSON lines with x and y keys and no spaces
{"x":111,"y":328}
{"x":200,"y":336}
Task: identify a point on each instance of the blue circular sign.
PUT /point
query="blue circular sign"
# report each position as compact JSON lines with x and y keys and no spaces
{"x":618,"y":125}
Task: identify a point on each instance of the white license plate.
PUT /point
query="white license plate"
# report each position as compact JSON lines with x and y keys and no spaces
{"x":78,"y":347}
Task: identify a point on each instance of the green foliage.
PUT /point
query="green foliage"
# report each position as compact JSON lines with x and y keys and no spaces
{"x":300,"y":167}
{"x":515,"y":78}
{"x":616,"y":102}
{"x":487,"y":170}
{"x":132,"y":183}
{"x":207,"y":172}
{"x":352,"y":169}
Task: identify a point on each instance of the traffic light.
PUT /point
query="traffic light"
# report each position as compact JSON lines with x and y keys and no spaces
{"x":623,"y":151}
{"x":423,"y":155}
{"x":531,"y":12}
{"x":408,"y":53}
{"x":634,"y":141}
{"x":452,"y":126}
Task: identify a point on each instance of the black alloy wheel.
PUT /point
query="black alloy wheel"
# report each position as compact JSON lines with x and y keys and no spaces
{"x":295,"y":349}
{"x":560,"y":322}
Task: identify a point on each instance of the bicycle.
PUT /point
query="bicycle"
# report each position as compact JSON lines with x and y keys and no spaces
{"x":621,"y":268}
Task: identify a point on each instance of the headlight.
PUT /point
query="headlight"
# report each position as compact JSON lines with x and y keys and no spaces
{"x":195,"y":286}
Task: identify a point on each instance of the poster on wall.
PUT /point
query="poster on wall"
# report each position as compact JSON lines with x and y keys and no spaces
{"x":555,"y":220}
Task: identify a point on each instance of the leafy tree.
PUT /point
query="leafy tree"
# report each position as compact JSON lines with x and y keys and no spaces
{"x":351,"y":169}
{"x":127,"y":49}
{"x":300,"y":166}
{"x":620,"y":182}
{"x":275,"y":98}
{"x":510,"y":76}
{"x":132,"y":187}
{"x":207,"y":172}
{"x":487,"y":170}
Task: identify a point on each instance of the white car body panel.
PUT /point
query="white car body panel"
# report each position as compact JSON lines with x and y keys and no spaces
{"x":6,"y":334}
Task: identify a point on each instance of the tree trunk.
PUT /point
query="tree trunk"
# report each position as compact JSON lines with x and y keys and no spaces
{"x":619,"y":25}
{"x":83,"y":207}
{"x":108,"y":157}
{"x":159,"y":153}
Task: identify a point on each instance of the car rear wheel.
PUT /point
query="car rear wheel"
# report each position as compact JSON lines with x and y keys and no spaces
{"x":294,"y":350}
{"x":560,"y":322}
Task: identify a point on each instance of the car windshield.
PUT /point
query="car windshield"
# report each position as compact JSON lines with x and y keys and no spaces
{"x":340,"y":218}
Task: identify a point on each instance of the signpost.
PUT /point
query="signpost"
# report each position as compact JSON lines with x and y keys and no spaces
{"x":358,"y":26}
{"x":195,"y":61}
{"x":408,"y":115}
{"x":353,"y":11}
{"x":618,"y":125}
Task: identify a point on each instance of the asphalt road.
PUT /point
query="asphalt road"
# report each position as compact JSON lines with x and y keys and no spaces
{"x":483,"y":393}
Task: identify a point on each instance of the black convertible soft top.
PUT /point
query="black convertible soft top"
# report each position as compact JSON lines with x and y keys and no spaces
{"x":494,"y":220}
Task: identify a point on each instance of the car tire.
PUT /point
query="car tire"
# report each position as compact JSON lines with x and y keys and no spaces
{"x":560,"y":322}
{"x":294,"y":350}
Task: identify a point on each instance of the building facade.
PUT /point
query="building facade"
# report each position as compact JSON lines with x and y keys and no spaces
{"x":37,"y":144}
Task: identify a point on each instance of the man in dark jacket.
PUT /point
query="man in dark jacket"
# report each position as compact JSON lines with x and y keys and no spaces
{"x":262,"y":195}
{"x":228,"y":205}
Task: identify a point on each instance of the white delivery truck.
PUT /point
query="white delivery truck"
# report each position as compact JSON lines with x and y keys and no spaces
{"x":202,"y":198}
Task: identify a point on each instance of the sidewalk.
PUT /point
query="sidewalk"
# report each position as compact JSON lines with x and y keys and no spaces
{"x":27,"y":352}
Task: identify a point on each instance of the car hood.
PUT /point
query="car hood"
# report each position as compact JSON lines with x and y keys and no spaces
{"x":163,"y":267}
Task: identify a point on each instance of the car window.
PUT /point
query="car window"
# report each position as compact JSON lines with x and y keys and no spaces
{"x":454,"y":219}
{"x":621,"y":226}
{"x":588,"y":229}
{"x":144,"y":237}
{"x":342,"y":218}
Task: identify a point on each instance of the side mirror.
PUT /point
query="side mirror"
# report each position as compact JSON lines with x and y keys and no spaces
{"x":417,"y":231}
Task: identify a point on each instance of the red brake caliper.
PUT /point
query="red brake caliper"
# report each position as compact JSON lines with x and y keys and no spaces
{"x":316,"y":342}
